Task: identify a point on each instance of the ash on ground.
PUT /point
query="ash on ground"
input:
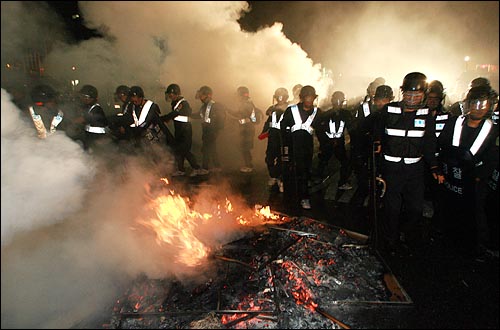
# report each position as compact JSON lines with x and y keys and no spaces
{"x":299,"y":274}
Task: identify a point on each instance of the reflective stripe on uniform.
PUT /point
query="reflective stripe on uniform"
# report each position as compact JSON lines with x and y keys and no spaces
{"x":95,"y":129}
{"x":395,"y":132}
{"x":407,"y":160}
{"x":403,"y":133}
{"x":275,"y":123}
{"x":182,"y":119}
{"x":333,"y":133}
{"x":142,"y":117}
{"x":478,"y":142}
{"x":298,"y":121}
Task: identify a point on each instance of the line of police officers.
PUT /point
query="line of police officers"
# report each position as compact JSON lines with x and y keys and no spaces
{"x":417,"y":143}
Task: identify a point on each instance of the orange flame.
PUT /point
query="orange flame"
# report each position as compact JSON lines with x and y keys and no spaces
{"x":175,"y":224}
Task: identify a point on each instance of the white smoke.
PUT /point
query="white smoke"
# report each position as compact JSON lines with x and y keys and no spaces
{"x":43,"y":181}
{"x":153,"y":44}
{"x":67,"y":243}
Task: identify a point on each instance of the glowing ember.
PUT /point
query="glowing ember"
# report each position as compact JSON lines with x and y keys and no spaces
{"x":300,"y":291}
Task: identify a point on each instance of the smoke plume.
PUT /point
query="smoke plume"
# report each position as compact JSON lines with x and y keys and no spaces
{"x":70,"y":237}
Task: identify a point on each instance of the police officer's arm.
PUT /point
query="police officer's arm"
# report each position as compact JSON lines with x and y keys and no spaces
{"x":127,"y":118}
{"x":489,"y":157}
{"x":169,"y":116}
{"x":185,"y":109}
{"x":285,"y":126}
{"x":378,"y":129}
{"x":429,"y":148}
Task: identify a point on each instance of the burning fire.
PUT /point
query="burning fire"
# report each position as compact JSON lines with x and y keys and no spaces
{"x":175,"y":224}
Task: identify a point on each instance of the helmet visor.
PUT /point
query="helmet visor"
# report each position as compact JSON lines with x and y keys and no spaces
{"x":477,"y":105}
{"x":477,"y":109}
{"x":413,"y":99}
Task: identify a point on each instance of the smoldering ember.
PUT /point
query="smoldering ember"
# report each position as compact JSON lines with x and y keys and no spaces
{"x":288,"y":272}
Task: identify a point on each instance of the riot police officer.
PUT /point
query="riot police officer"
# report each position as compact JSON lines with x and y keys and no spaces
{"x":44,"y":112}
{"x":331,"y":136}
{"x":213,"y":116}
{"x":361,"y":134}
{"x":181,"y":115}
{"x":271,"y":131}
{"x":96,"y":123}
{"x":406,"y":133}
{"x":297,"y":129}
{"x":469,"y":156}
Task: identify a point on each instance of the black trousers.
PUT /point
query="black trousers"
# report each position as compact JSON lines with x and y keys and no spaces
{"x":183,"y":143}
{"x":273,"y":155}
{"x":209,"y":147}
{"x":337,"y":148}
{"x":247,"y":135}
{"x":405,"y":192}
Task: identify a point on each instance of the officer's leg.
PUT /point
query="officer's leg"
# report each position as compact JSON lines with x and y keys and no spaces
{"x":392,"y":202}
{"x":413,"y":196}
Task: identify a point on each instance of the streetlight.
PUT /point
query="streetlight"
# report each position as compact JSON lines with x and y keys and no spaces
{"x":466,"y":59}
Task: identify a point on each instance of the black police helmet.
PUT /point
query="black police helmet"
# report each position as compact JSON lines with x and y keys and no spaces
{"x":204,"y":90}
{"x":281,"y":94}
{"x":480,"y":81}
{"x":307,"y":90}
{"x":122,"y":89}
{"x":384,"y":92}
{"x":414,"y":81}
{"x":89,"y":91}
{"x":480,"y":93}
{"x":136,"y":91}
{"x":174,"y":89}
{"x":243,"y":91}
{"x":436,"y":87}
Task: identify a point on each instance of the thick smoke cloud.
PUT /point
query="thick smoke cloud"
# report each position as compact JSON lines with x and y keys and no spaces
{"x":70,"y":239}
{"x":43,"y":182}
{"x":154,"y":44}
{"x":361,"y":40}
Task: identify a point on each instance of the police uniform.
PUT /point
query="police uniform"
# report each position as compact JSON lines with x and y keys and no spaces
{"x":213,"y":116}
{"x":331,"y":137}
{"x":247,"y":119}
{"x":96,"y":125}
{"x":361,"y":141}
{"x":469,"y":157}
{"x":145,"y":124}
{"x":408,"y":141}
{"x":297,"y":129}
{"x":271,"y":129}
{"x":181,"y":115}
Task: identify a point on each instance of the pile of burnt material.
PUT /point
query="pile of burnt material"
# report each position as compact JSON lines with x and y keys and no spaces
{"x":289,"y":275}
